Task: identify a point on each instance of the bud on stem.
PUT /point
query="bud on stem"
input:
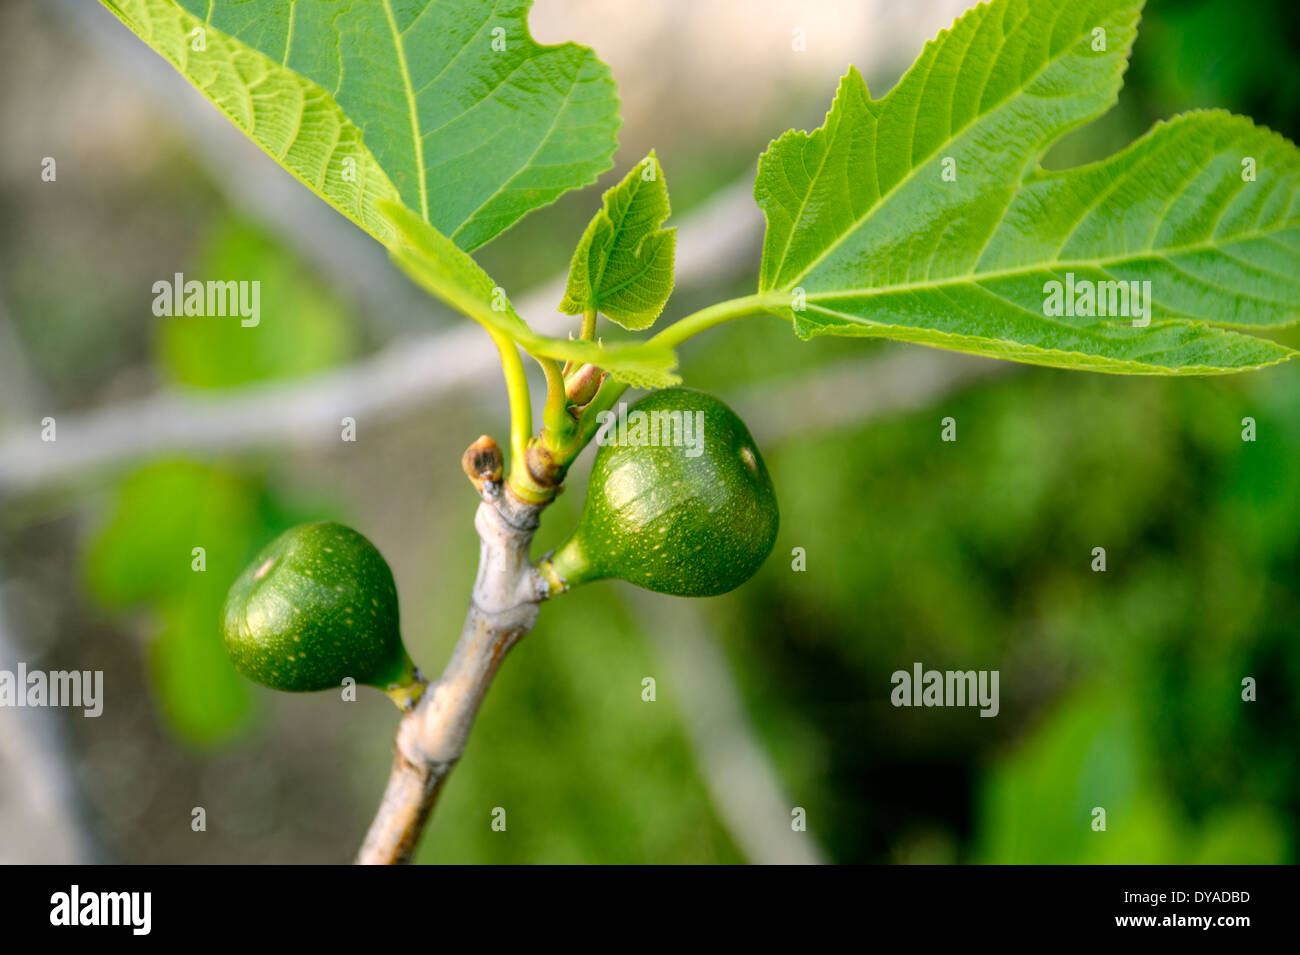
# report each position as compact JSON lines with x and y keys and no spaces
{"x":582,"y":385}
{"x":482,"y":462}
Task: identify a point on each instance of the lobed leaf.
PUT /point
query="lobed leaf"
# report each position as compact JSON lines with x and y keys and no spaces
{"x":296,"y":121}
{"x":462,"y":114}
{"x":925,"y":216}
{"x":473,"y":121}
{"x":623,"y":266}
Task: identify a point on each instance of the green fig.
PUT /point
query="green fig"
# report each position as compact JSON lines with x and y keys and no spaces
{"x":679,"y":501}
{"x":316,"y":607}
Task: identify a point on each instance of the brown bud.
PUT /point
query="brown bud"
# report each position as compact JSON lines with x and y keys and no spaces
{"x":482,"y":462}
{"x":544,"y":470}
{"x":582,"y":386}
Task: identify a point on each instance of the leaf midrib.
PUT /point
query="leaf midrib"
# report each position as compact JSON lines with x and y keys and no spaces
{"x":908,"y":176}
{"x":639,"y":273}
{"x":617,"y":230}
{"x":412,"y":112}
{"x":1100,"y":360}
{"x":975,"y":278}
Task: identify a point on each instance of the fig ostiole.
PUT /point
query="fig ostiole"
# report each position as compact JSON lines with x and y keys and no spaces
{"x":318,"y":606}
{"x":679,"y":502}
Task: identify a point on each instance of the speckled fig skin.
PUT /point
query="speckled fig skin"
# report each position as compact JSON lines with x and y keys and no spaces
{"x":316,"y":606}
{"x":669,"y":522}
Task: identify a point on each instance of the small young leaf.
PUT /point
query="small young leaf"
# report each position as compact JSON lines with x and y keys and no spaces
{"x":435,"y":263}
{"x":623,"y":266}
{"x":924,"y":216}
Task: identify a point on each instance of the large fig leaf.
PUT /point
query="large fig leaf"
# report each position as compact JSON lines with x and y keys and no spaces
{"x":471,"y":122}
{"x":925,"y":215}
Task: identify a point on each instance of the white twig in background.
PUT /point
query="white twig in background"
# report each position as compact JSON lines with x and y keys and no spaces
{"x":41,"y":824}
{"x":405,"y":374}
{"x":411,"y":374}
{"x":743,"y":784}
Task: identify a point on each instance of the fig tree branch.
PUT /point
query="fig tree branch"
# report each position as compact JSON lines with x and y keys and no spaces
{"x":431,"y":737}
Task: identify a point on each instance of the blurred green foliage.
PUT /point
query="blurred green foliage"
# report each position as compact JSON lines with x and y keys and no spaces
{"x":1199,"y":54}
{"x":143,"y":554}
{"x":303,"y":327}
{"x":1093,"y":752}
{"x":977,"y":554}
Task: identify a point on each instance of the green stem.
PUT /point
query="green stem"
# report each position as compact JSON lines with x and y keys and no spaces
{"x":558,"y":431}
{"x":609,"y":393}
{"x":671,"y":337}
{"x":521,"y":408}
{"x":556,"y":422}
{"x":706,"y":318}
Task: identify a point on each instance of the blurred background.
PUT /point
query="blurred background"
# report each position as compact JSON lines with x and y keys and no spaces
{"x":1120,"y":689}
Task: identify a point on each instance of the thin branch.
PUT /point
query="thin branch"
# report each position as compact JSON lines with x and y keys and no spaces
{"x":846,"y":393}
{"x":43,"y":821}
{"x":402,"y":376}
{"x":504,"y":607}
{"x":744,"y":786}
{"x":431,"y":738}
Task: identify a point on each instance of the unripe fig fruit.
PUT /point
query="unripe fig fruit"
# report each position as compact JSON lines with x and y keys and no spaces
{"x":679,"y":501}
{"x":317,"y":606}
